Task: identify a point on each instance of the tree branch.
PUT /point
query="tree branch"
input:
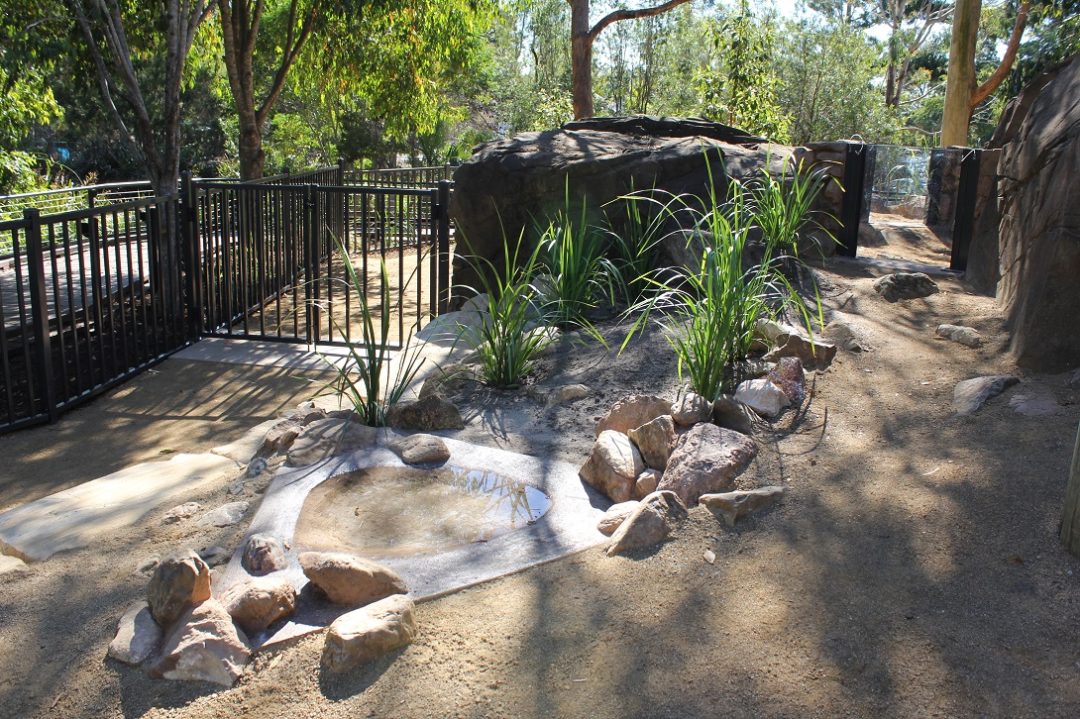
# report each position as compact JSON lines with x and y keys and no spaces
{"x":289,"y":55}
{"x":618,"y":15}
{"x":987,"y":88}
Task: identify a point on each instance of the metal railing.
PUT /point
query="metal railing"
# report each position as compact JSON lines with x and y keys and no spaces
{"x":401,"y":176}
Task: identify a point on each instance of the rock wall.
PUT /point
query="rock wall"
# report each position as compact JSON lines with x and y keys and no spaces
{"x":982,"y":271}
{"x":508,"y":186}
{"x":1039,"y":235}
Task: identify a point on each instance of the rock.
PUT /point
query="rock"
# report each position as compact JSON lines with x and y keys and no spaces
{"x":964,"y":335}
{"x":138,"y":636}
{"x":186,"y":510}
{"x":215,"y":555}
{"x":280,"y":437}
{"x":762,"y":396}
{"x":615,"y":515}
{"x":790,"y":341}
{"x":1034,"y":403}
{"x":238,"y":486}
{"x":257,"y":603}
{"x":368,"y":633}
{"x":12,"y":566}
{"x":654,"y":439}
{"x":788,"y":376}
{"x":731,"y":413}
{"x":650,"y":522}
{"x":690,"y":409}
{"x":613,"y":466}
{"x":321,"y":440}
{"x":633,"y":411}
{"x":971,"y":394}
{"x":568,"y":393}
{"x":733,"y":506}
{"x":843,"y":335}
{"x":349,"y":580}
{"x":424,"y":415}
{"x":263,"y":554}
{"x":1039,"y":249}
{"x":422,"y":449}
{"x":905,"y":286}
{"x":205,"y":646}
{"x":224,"y":516}
{"x":706,"y":459}
{"x":178,"y":582}
{"x":709,"y":556}
{"x":646,"y":482}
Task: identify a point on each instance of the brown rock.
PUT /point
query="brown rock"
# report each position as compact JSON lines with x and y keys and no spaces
{"x":654,"y":440}
{"x":177,"y":583}
{"x":322,"y":439}
{"x":349,"y":580}
{"x":633,"y":411}
{"x":613,"y":466}
{"x":368,"y":633}
{"x":422,"y":449}
{"x":615,"y":515}
{"x":706,"y":459}
{"x":424,"y":415}
{"x":733,"y":506}
{"x":650,"y":523}
{"x":204,"y":645}
{"x":791,"y":341}
{"x":690,"y":409}
{"x":730,"y":413}
{"x":905,"y":286}
{"x":258,"y":603}
{"x":789,"y":377}
{"x":646,"y":482}
{"x":137,"y":636}
{"x":263,"y":554}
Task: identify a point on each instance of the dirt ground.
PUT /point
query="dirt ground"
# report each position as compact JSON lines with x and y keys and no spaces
{"x":912,"y":570}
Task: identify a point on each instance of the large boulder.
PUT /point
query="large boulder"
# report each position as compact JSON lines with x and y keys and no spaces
{"x":706,"y":459}
{"x":613,"y":466}
{"x":178,"y":582}
{"x":648,"y":524}
{"x":349,"y":580}
{"x":508,"y":185}
{"x":368,"y":633}
{"x":1039,"y":235}
{"x":257,"y":603}
{"x":204,"y":645}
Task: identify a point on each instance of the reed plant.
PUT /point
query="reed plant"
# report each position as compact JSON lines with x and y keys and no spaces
{"x":635,"y":245}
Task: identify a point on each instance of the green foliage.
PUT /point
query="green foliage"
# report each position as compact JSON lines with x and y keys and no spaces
{"x":511,"y":334}
{"x":635,"y":244}
{"x":782,"y":206}
{"x":739,"y":86}
{"x":361,"y":377}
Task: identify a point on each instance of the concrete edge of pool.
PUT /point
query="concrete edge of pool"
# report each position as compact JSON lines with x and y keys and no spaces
{"x":569,"y":526}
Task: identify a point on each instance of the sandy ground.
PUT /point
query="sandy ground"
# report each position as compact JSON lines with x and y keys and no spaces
{"x":913,"y":570}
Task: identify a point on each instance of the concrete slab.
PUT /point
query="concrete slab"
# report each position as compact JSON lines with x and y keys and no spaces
{"x":241,"y":450}
{"x":282,"y":355}
{"x":569,"y":526}
{"x":75,"y":517}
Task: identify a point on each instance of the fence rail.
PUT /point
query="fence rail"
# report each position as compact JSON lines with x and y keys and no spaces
{"x":91,"y":296}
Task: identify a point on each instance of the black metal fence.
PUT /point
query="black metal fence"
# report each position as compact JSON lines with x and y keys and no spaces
{"x":90,"y":297}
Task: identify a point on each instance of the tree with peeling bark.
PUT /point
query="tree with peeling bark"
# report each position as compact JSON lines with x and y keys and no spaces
{"x":582,"y":37}
{"x":962,"y":93}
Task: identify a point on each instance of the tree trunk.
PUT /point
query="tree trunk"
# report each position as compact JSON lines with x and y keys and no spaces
{"x":252,"y":157}
{"x":581,"y":59}
{"x":960,"y":83}
{"x":1070,"y":525}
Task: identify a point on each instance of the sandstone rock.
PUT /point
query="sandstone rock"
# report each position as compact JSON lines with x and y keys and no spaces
{"x":424,"y":415}
{"x":843,"y":335}
{"x":138,"y":636}
{"x":615,"y":515}
{"x":568,"y":393}
{"x":204,"y":645}
{"x":790,"y":341}
{"x":762,"y":396}
{"x":178,"y":582}
{"x":349,"y":580}
{"x":650,"y":522}
{"x":733,"y":506}
{"x":263,"y":554}
{"x":633,"y":411}
{"x":368,"y":633}
{"x":1039,"y":250}
{"x":12,"y":566}
{"x":280,"y":437}
{"x":646,"y":482}
{"x":706,"y":459}
{"x":613,"y":466}
{"x":905,"y":286}
{"x":971,"y":394}
{"x":731,"y":413}
{"x":788,"y":376}
{"x":324,"y":438}
{"x":422,"y":449}
{"x":224,"y":516}
{"x":654,"y":439}
{"x":257,"y":603}
{"x":690,"y":409}
{"x":186,"y":510}
{"x":964,"y":335}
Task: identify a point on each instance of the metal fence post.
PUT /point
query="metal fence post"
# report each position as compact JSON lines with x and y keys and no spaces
{"x":967,"y":192}
{"x":39,"y":308}
{"x":311,"y":264}
{"x":187,"y":214}
{"x":851,"y":205}
{"x":443,"y":242}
